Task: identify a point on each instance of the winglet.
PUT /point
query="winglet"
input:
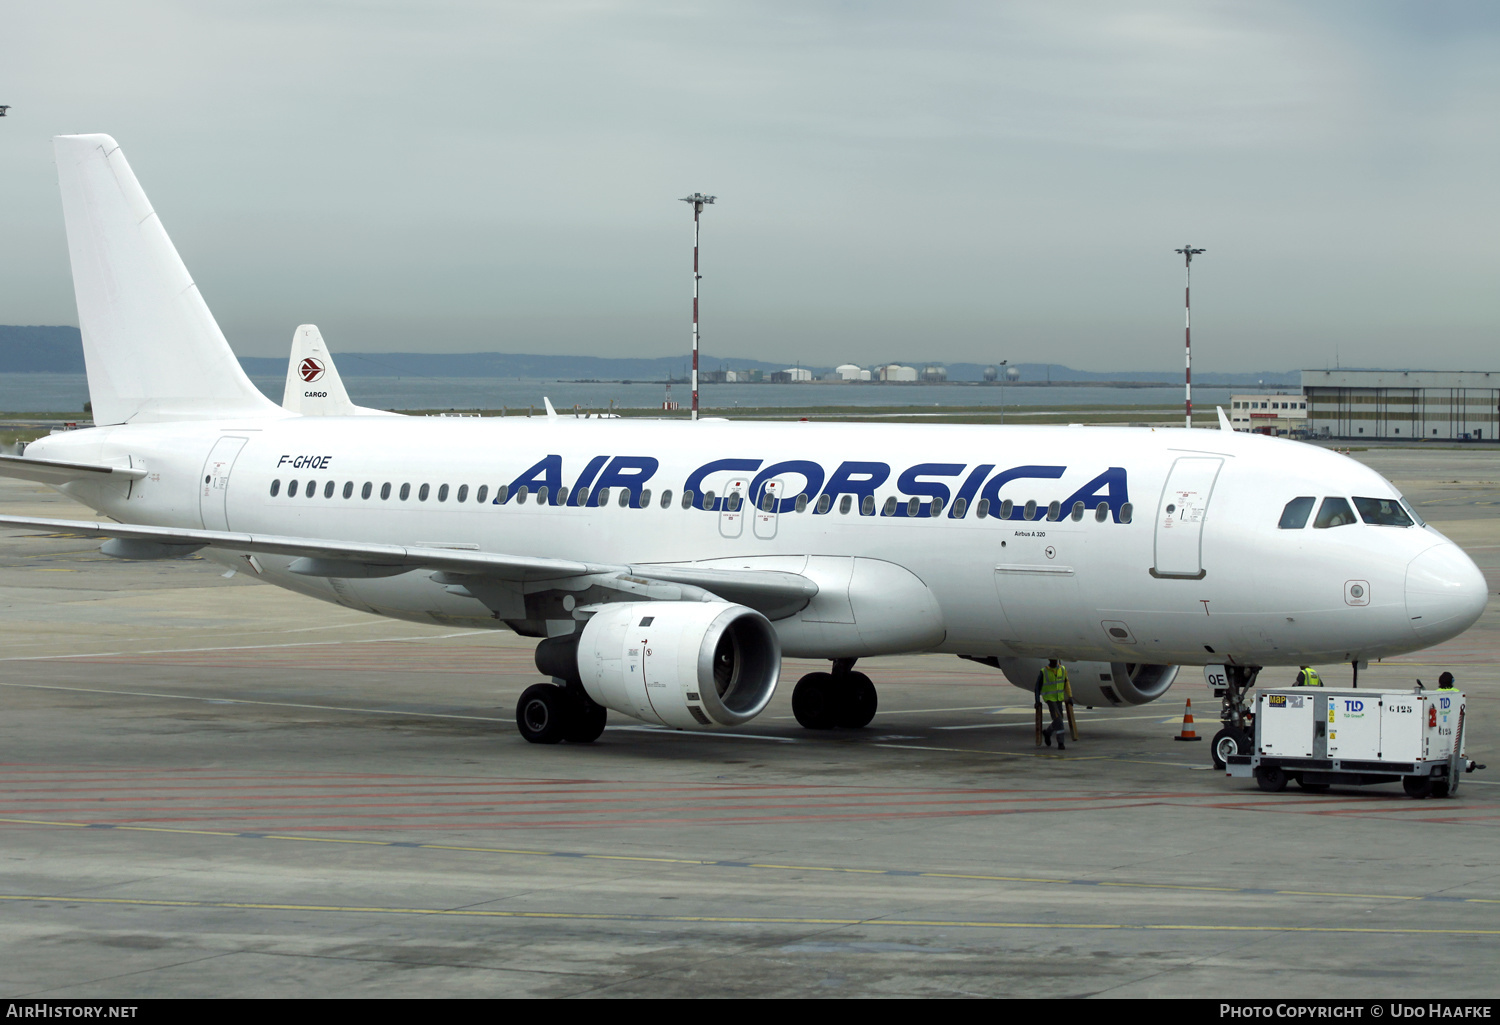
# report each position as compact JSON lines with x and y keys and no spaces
{"x":551,"y":413}
{"x":1224,"y":424}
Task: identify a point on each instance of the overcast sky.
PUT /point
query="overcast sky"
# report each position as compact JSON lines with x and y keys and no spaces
{"x":956,"y":181}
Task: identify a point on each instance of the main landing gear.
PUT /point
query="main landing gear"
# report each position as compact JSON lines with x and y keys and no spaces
{"x":547,"y":713}
{"x":841,"y":698}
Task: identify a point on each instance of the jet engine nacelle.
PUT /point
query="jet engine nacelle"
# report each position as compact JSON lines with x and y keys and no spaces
{"x":689,"y":665}
{"x":1097,"y":683}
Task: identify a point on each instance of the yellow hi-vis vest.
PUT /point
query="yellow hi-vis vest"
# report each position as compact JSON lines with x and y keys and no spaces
{"x":1310,"y":678}
{"x":1054,"y":683}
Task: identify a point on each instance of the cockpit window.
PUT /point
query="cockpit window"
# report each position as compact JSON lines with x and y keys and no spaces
{"x":1410,"y":511}
{"x":1294,"y":516}
{"x":1382,"y":512}
{"x":1334,"y":512}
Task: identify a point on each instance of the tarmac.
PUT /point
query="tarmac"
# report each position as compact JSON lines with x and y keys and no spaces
{"x":210,"y":787}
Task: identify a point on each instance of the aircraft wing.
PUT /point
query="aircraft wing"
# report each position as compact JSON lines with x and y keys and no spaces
{"x":766,"y":590}
{"x":51,"y":471}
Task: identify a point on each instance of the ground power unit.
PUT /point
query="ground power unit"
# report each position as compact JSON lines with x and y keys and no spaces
{"x":1321,"y":736}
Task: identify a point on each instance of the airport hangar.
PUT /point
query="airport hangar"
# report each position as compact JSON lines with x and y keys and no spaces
{"x":1428,"y":405}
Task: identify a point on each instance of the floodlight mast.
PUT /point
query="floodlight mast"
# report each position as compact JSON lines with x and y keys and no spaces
{"x":699,"y":201}
{"x":1188,"y":252}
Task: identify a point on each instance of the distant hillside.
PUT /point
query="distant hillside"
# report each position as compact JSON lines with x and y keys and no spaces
{"x":40,"y":350}
{"x":59,"y":350}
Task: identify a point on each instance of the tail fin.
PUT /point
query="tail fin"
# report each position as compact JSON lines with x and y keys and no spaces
{"x":151,"y":347}
{"x":313,"y":385}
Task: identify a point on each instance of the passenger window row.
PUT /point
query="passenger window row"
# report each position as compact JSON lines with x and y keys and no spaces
{"x":1335,"y":512}
{"x":1029,"y":511}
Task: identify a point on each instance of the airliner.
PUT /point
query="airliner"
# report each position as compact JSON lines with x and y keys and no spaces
{"x":667,"y":567}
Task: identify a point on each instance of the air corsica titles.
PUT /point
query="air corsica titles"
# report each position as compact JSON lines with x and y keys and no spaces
{"x":860,"y":479}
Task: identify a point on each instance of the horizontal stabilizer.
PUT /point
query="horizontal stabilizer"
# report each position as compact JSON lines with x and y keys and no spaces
{"x":51,"y":471}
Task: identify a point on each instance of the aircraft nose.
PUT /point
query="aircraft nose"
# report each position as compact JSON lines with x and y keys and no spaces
{"x":1445,"y":593}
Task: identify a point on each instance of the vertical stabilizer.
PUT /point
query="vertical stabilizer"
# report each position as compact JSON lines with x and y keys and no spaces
{"x":151,"y":347}
{"x":313,"y":385}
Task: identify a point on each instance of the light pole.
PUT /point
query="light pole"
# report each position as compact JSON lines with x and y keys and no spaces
{"x":1003,"y":363}
{"x":1188,"y":252}
{"x":699,"y":201}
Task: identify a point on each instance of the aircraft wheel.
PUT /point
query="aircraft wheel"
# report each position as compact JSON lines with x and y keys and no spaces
{"x":1228,"y":741}
{"x":587,"y":721}
{"x":1271,"y":779}
{"x":814,"y":701}
{"x":856,"y":701}
{"x":544,"y":713}
{"x":1418,"y":787}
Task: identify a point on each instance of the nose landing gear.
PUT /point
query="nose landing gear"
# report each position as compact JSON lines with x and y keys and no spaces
{"x":842,"y":698}
{"x":1234,"y":714}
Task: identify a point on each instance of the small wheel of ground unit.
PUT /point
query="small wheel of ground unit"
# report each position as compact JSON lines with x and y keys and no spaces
{"x":586,"y":722}
{"x":1228,"y":741}
{"x":1418,"y":787}
{"x":1271,"y":779}
{"x":544,"y":713}
{"x":814,"y":701}
{"x":855,"y":701}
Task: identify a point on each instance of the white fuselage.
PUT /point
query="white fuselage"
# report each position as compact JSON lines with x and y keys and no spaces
{"x":1195,"y":570}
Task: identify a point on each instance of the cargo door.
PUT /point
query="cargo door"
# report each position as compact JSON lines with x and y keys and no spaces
{"x":1180,"y":516}
{"x":1285,"y":725}
{"x":214,"y":491}
{"x":1036,"y":580}
{"x":767,"y":510}
{"x":732,"y":508}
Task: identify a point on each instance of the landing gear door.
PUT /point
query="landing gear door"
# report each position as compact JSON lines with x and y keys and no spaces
{"x":1180,"y":516}
{"x":214,"y":489}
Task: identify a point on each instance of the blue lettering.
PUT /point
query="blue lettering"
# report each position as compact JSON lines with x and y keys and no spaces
{"x":999,"y":480}
{"x":909,"y":484}
{"x":628,"y":472}
{"x":585,"y":478}
{"x":694,"y":482}
{"x":857,"y":479}
{"x":547,"y":472}
{"x":966,"y":492}
{"x":810,"y":471}
{"x":1112,"y":483}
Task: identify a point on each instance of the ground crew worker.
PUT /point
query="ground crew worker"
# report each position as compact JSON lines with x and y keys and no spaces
{"x":1446,"y":682}
{"x":1308,"y":677}
{"x":1052,"y":687}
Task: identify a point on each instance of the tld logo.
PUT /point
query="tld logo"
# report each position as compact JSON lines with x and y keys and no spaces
{"x":1351,"y":705}
{"x":1443,"y":703}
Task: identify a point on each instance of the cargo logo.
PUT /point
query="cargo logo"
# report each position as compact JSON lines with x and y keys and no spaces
{"x":310,"y":369}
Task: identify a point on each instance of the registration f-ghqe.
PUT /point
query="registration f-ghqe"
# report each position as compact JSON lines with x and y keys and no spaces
{"x":670,"y":565}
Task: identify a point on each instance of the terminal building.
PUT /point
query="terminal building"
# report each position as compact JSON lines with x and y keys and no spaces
{"x":1441,"y":405}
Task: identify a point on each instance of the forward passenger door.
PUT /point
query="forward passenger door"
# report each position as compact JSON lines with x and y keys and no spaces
{"x":1180,"y":516}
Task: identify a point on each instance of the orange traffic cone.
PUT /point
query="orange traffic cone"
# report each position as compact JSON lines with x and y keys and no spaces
{"x":1188,"y":733}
